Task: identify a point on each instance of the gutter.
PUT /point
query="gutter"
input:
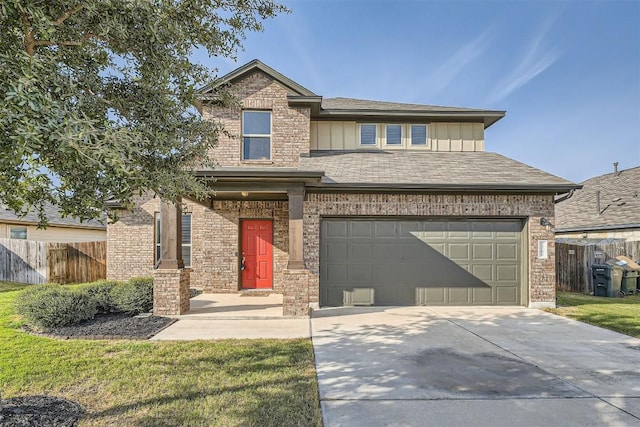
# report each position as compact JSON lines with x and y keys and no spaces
{"x":461,"y":188}
{"x":566,"y":196}
{"x":597,"y":228}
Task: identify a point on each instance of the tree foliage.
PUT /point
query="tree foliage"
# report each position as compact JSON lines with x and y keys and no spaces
{"x":96,"y":97}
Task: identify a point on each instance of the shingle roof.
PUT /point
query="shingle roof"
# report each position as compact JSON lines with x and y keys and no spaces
{"x":362,"y":104}
{"x":462,"y":169}
{"x":619,"y":203}
{"x":53,"y":215}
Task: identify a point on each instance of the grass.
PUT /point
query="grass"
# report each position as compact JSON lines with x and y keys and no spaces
{"x":618,"y":314}
{"x":142,"y":383}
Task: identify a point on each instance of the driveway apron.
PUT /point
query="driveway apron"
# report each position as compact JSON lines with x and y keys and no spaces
{"x":419,"y":366}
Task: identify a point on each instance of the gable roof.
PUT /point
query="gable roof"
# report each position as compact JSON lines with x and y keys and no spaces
{"x":619,"y":203}
{"x":54,"y":217}
{"x":249,"y":67}
{"x":455,"y":171}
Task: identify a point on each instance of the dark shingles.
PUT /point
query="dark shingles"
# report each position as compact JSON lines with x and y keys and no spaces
{"x":53,"y":215}
{"x":414,"y":167}
{"x":619,"y":202}
{"x":362,"y":104}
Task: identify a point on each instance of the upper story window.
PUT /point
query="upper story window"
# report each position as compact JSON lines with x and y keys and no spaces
{"x":256,"y":135}
{"x":394,"y":135}
{"x":18,"y":233}
{"x":368,"y":134}
{"x":419,"y":135}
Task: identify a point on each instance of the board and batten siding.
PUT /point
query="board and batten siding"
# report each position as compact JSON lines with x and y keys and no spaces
{"x":343,"y":135}
{"x":56,"y":234}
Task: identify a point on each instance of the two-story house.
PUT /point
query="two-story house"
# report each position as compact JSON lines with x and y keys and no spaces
{"x":349,"y":202}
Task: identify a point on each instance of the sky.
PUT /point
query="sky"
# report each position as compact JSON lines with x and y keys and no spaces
{"x":566,"y":72}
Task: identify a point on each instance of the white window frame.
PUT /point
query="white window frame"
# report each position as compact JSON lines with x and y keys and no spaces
{"x":157,"y":238}
{"x":190,"y":244}
{"x":402,"y":144}
{"x":22,"y":228}
{"x":257,"y":135}
{"x":376,"y":139}
{"x":410,"y":145}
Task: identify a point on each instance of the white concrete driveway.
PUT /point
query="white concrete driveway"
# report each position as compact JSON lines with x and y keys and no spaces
{"x":419,"y":366}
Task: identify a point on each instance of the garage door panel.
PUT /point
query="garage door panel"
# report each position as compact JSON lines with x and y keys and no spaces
{"x":336,"y":252}
{"x":359,"y":273}
{"x":359,"y":251}
{"x":360,"y":229}
{"x":507,"y":251}
{"x":425,"y":262}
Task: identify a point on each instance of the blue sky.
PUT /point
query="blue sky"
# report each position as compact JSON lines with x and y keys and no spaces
{"x":566,"y":72}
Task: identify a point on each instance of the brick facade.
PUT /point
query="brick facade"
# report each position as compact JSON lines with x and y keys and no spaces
{"x":290,"y":126}
{"x":541,"y":272}
{"x":170,"y":292}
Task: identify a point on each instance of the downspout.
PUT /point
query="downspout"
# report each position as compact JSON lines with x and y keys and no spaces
{"x":564,"y":197}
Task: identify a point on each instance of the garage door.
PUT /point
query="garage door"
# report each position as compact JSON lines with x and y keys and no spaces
{"x":420,"y":262}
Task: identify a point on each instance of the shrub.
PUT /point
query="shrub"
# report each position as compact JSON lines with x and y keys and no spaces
{"x":54,"y":305}
{"x":134,"y":296}
{"x":101,"y":294}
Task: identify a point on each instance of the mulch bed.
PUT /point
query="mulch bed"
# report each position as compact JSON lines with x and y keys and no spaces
{"x":109,"y":326}
{"x":39,"y":411}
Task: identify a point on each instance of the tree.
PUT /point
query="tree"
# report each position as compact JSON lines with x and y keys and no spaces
{"x":96,"y":97}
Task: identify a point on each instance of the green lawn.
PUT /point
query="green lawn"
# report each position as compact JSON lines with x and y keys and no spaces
{"x":141,"y":383}
{"x":618,"y":314}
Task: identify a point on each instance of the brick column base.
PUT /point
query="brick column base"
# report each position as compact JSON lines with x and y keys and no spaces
{"x":170,"y":292}
{"x":295,"y":296}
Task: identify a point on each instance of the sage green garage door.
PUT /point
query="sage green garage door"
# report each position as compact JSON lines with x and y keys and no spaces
{"x":420,"y":262}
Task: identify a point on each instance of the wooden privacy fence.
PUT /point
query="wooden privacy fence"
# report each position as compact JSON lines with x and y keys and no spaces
{"x":573,"y":262}
{"x":27,"y":261}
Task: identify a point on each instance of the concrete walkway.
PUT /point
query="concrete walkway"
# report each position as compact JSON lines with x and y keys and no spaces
{"x":223,"y":316}
{"x":418,"y":366}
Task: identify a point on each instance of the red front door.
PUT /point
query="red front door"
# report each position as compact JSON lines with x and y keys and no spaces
{"x":257,"y":254}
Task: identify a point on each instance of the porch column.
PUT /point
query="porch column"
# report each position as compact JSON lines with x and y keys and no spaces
{"x":296,"y":238}
{"x":170,"y":279}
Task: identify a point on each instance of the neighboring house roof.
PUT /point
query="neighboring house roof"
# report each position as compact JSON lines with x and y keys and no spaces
{"x":430,"y":170}
{"x":619,"y":206}
{"x":54,"y":217}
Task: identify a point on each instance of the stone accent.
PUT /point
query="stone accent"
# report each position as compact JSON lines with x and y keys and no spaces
{"x":295,"y":298}
{"x":290,"y":126}
{"x":170,"y":292}
{"x":541,"y":272}
{"x":130,"y":242}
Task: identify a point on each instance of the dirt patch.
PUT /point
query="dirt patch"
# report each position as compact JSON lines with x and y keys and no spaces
{"x":39,"y":411}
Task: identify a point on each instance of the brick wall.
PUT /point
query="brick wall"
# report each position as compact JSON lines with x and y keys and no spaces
{"x":290,"y":126}
{"x":130,"y":242}
{"x":541,"y":273}
{"x":170,"y":292}
{"x":216,"y":242}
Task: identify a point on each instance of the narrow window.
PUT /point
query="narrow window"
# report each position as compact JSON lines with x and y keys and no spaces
{"x":256,"y":135}
{"x":394,"y":135}
{"x":419,"y":135}
{"x":158,"y":238}
{"x":18,"y":233}
{"x":186,"y":240}
{"x":368,"y":134}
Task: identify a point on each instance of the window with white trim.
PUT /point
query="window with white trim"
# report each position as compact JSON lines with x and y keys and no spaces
{"x":186,"y":239}
{"x":393,"y":135}
{"x":256,"y":135}
{"x":418,"y":135}
{"x":158,"y":238}
{"x":368,"y":134}
{"x":18,"y":232}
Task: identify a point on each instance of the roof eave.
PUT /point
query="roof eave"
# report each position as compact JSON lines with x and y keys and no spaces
{"x":446,"y":187}
{"x":597,"y":228}
{"x":488,"y":117}
{"x":247,"y":68}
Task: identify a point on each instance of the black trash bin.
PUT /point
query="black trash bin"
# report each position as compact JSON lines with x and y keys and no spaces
{"x":607,"y":280}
